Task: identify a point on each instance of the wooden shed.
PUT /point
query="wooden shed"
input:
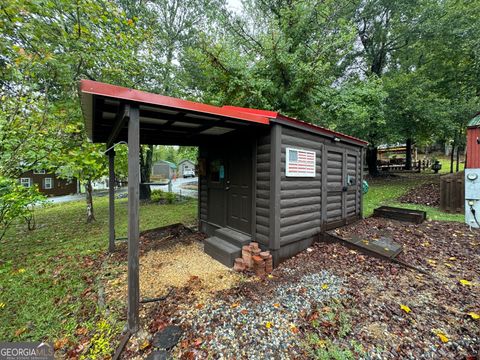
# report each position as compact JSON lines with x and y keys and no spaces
{"x":263,"y":176}
{"x":280,"y":186}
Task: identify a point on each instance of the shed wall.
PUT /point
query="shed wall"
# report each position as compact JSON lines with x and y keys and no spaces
{"x":262,"y":193}
{"x":310,"y":205}
{"x":473,"y":148}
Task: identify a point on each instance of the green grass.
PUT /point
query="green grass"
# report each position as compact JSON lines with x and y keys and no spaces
{"x":46,"y":274}
{"x":445,"y":161}
{"x":386,"y":191}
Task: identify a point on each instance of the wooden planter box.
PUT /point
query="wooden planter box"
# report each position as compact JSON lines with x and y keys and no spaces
{"x":401,"y":214}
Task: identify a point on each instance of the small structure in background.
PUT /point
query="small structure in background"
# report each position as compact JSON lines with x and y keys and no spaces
{"x":186,"y":168}
{"x":472,"y":173}
{"x":394,"y":157}
{"x":163,"y":169}
{"x":48,"y":183}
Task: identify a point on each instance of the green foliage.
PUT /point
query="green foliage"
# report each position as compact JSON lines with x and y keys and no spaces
{"x":45,"y":273}
{"x":331,"y":342}
{"x":17,"y":202}
{"x":101,"y":341}
{"x":160,"y":195}
{"x":157,"y":195}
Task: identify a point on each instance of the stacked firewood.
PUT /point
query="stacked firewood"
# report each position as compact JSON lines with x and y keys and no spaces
{"x":254,"y":259}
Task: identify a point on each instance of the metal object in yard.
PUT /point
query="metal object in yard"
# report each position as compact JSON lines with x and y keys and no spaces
{"x":436,"y":167}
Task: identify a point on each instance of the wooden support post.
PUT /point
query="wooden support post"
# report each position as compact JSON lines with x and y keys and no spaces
{"x":133,"y":219}
{"x":111,"y":200}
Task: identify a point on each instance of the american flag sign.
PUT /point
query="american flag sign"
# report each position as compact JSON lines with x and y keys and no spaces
{"x":300,"y":163}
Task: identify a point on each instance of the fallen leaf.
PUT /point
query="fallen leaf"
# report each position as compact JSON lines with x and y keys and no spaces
{"x":276,"y":305}
{"x":145,"y":344}
{"x":324,"y":286}
{"x":234,"y":305}
{"x":60,"y":343}
{"x":20,"y":331}
{"x":322,"y":343}
{"x":443,"y":338}
{"x":405,"y":308}
{"x":465,"y":282}
{"x":199,"y":306}
{"x":2,"y":305}
{"x":293,"y":328}
{"x":244,"y":312}
{"x":474,"y":316}
{"x":453,"y":258}
{"x":448,"y":265}
{"x":268,"y":325}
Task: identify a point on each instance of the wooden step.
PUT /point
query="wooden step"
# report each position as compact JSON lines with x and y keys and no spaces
{"x":234,"y":237}
{"x":222,"y":250}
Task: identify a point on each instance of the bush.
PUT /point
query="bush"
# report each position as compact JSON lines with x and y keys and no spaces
{"x":162,"y":196}
{"x":17,"y":202}
{"x":170,"y":197}
{"x":157,"y":195}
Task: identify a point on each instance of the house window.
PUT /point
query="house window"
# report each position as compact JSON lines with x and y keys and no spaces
{"x":26,"y":182}
{"x":39,"y":172}
{"x":48,"y":183}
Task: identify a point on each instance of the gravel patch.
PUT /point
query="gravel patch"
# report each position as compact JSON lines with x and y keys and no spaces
{"x":261,"y":329}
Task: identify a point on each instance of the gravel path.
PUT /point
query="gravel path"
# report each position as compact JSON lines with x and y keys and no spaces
{"x":261,"y":329}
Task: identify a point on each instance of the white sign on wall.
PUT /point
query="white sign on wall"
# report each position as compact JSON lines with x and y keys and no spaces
{"x":300,"y":163}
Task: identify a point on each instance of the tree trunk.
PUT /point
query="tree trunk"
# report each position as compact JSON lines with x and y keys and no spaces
{"x":146,"y":161}
{"x":371,"y":157}
{"x":458,"y":160}
{"x":408,"y":155}
{"x":89,"y":198}
{"x":452,"y":157}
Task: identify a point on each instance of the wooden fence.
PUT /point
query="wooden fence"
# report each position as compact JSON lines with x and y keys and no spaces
{"x":452,"y":193}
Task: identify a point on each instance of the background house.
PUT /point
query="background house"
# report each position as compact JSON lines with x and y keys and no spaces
{"x":49,"y":184}
{"x":185,"y":165}
{"x":163,"y":169}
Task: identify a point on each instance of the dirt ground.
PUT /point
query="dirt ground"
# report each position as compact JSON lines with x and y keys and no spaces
{"x":347,"y":302}
{"x":170,"y":258}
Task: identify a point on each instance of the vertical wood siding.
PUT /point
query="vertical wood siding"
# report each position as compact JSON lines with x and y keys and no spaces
{"x":262,"y":197}
{"x":473,"y":148}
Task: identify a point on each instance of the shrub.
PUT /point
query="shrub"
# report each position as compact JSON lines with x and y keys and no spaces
{"x":17,"y":202}
{"x":157,"y":195}
{"x":170,"y":197}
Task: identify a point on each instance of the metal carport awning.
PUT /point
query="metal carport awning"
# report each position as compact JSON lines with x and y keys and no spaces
{"x":163,"y":120}
{"x":113,"y":113}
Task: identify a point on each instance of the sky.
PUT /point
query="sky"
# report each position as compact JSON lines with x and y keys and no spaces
{"x":235,"y":5}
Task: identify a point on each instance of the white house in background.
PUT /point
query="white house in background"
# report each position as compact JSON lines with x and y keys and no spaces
{"x":185,"y":165}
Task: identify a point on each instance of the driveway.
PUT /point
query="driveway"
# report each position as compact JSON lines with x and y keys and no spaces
{"x":178,"y":187}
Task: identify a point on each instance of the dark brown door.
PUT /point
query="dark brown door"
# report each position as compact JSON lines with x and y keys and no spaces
{"x":239,"y":188}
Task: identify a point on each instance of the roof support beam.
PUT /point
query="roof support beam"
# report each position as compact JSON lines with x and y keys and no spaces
{"x":133,"y":218}
{"x":120,"y":121}
{"x":111,"y":200}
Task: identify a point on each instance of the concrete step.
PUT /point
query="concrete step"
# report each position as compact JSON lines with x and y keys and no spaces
{"x":233,"y":237}
{"x":221,"y":250}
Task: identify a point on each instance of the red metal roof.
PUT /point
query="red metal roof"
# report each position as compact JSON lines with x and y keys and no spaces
{"x":277,"y":115}
{"x":247,"y":114}
{"x":119,"y":92}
